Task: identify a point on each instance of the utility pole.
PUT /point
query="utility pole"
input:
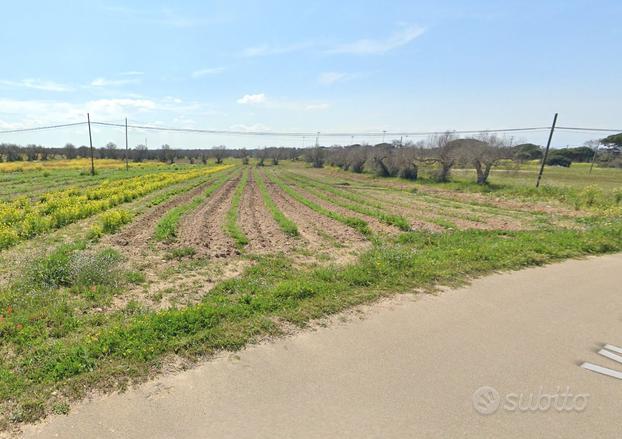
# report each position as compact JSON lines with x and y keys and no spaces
{"x":317,"y":139}
{"x":546,"y":151}
{"x":88,"y":119}
{"x":127,"y":152}
{"x":593,"y":159}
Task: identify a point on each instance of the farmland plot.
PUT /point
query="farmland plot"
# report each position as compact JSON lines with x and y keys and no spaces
{"x":103,"y":280}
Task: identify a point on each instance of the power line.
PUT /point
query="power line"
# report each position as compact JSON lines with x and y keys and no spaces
{"x":313,"y":133}
{"x":605,"y":130}
{"x":379,"y":134}
{"x":48,"y":127}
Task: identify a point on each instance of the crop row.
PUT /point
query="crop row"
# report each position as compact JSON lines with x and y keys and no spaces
{"x":353,"y":222}
{"x":350,"y":201}
{"x":166,"y":229}
{"x":22,"y":218}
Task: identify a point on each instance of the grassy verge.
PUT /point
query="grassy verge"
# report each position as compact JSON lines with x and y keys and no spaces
{"x":231,"y":221}
{"x":357,"y":204}
{"x":58,"y":350}
{"x":355,"y":223}
{"x":166,"y":229}
{"x":287,"y":225}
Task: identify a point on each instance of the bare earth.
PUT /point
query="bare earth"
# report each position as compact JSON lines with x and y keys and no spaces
{"x":407,"y":368}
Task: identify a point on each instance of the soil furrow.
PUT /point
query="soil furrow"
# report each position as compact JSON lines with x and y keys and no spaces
{"x":313,"y":227}
{"x":203,"y":229}
{"x":374,"y":224}
{"x":262,"y":230}
{"x":136,"y":234}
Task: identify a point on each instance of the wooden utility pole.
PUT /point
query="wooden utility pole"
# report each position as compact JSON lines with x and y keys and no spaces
{"x":546,"y":151}
{"x":593,"y":160}
{"x":88,"y":119}
{"x":127,"y":153}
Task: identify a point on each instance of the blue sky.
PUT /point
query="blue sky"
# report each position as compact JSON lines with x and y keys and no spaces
{"x":327,"y":66}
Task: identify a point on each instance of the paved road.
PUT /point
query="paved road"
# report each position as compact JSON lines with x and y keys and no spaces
{"x":408,"y":369}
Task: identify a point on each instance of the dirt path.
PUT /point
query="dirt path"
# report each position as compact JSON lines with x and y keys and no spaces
{"x":203,"y":229}
{"x":263,"y":232}
{"x":410,"y":368}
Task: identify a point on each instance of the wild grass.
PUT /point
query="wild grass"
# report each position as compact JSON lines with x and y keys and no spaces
{"x":58,"y":350}
{"x":287,"y":225}
{"x":231,"y":222}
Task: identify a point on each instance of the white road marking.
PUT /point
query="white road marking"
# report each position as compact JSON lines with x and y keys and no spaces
{"x":611,"y":355}
{"x":613,"y":348}
{"x":602,"y":370}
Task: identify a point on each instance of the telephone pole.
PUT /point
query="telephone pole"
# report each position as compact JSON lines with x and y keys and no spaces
{"x":546,"y":151}
{"x":127,"y":151}
{"x":88,"y":119}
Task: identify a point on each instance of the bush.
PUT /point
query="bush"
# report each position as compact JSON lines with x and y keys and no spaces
{"x":68,"y":266}
{"x":558,"y":160}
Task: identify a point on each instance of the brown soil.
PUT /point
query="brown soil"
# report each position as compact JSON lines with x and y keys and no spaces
{"x":136,"y":235}
{"x":316,"y":230}
{"x":484,"y":199}
{"x":263,"y":232}
{"x":426,"y":210}
{"x":374,"y":224}
{"x":203,"y":229}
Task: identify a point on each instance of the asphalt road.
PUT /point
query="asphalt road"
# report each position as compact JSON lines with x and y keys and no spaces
{"x":408,"y":369}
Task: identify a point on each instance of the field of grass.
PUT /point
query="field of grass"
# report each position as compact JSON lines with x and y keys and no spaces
{"x":186,"y":261}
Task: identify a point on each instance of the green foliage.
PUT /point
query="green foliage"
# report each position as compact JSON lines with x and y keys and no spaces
{"x":614,"y":139}
{"x":231,"y":221}
{"x":360,"y":204}
{"x":166,"y":228}
{"x":558,"y":160}
{"x":355,"y":223}
{"x":181,"y":252}
{"x":71,"y":266}
{"x":287,"y":225}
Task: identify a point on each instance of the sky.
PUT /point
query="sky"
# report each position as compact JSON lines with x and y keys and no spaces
{"x":283,"y":66}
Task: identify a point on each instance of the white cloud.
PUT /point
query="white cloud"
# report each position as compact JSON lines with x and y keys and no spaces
{"x":266,"y":49}
{"x":103,"y":82}
{"x":371,"y":46}
{"x":330,"y":78}
{"x":37,"y":84}
{"x":253,"y":99}
{"x":261,"y":99}
{"x":208,"y":71}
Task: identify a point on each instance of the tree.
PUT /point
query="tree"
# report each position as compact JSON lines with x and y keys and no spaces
{"x":484,"y":153}
{"x":527,"y":151}
{"x":443,"y":152}
{"x":613,"y":140}
{"x":140,"y":153}
{"x":166,"y":154}
{"x":219,"y":153}
{"x":70,"y":151}
{"x":111,"y":150}
{"x":316,"y":156}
